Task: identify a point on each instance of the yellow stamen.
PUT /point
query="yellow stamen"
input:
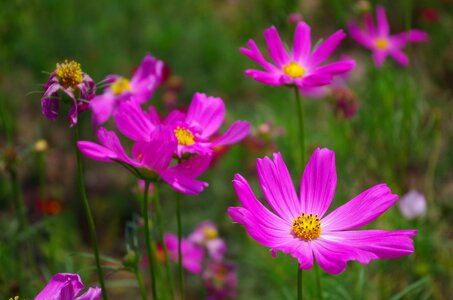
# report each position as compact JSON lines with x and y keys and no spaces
{"x":210,"y":233}
{"x":293,"y":70}
{"x":307,"y":227}
{"x":120,"y":85}
{"x":381,"y":43}
{"x":69,"y":74}
{"x":184,"y":136}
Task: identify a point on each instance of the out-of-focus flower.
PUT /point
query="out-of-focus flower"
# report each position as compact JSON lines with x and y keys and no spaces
{"x":49,"y":206}
{"x":362,"y":6}
{"x":206,"y":235}
{"x":299,"y":227}
{"x":192,"y":130}
{"x":192,"y":255}
{"x":301,"y":67}
{"x":430,"y":15}
{"x":69,"y":78}
{"x":141,"y":186}
{"x":139,"y":89}
{"x":220,"y":280}
{"x":346,"y":104}
{"x":412,"y":205}
{"x":66,"y":286}
{"x":41,"y":145}
{"x":294,"y":18}
{"x":151,"y":157}
{"x":380,"y":42}
{"x":262,"y":139}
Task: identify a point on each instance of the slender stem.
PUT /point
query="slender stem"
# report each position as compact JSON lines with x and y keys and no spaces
{"x":161,"y":236}
{"x":180,"y":269}
{"x":149,"y":249}
{"x":141,"y":284}
{"x":319,"y":283}
{"x":300,"y":117}
{"x":86,"y":206}
{"x":299,"y":282}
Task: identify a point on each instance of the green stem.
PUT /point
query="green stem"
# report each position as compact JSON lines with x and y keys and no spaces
{"x":141,"y":284}
{"x":161,"y":236}
{"x":86,"y":206}
{"x":319,"y":283}
{"x":149,"y":249}
{"x":180,"y":269}
{"x":299,"y":282}
{"x":300,"y":117}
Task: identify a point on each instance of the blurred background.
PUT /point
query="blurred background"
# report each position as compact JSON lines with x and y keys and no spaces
{"x":391,"y":125}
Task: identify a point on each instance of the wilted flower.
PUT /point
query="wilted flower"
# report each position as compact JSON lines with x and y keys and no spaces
{"x":412,"y":205}
{"x":192,"y":255}
{"x":298,"y":226}
{"x":380,"y":42}
{"x":206,"y":235}
{"x":220,"y":280}
{"x":66,"y":286}
{"x":139,"y":89}
{"x":69,"y":78}
{"x":301,"y":67}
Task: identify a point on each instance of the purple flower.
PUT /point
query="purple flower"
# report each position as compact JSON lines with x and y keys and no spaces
{"x":380,"y":42}
{"x":69,"y":78}
{"x":412,"y":205}
{"x":220,"y":280}
{"x":301,"y":67}
{"x":206,"y":235}
{"x":193,"y":131}
{"x":299,"y":227}
{"x":151,"y":158}
{"x":192,"y":255}
{"x":66,"y":286}
{"x":139,"y":89}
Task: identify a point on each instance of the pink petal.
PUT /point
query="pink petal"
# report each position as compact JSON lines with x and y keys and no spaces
{"x":278,"y":187}
{"x":369,"y":26}
{"x":315,"y":80}
{"x":359,"y":36}
{"x":413,"y":35}
{"x":91,"y":294}
{"x":183,"y":185}
{"x":254,"y":54}
{"x":275,"y":46}
{"x":318,"y":183}
{"x":332,"y":256}
{"x":302,"y":43}
{"x":382,"y":23}
{"x":336,"y":68}
{"x":157,"y":153}
{"x":193,"y":167}
{"x":379,"y":57}
{"x":132,"y":122}
{"x":399,"y":56}
{"x":326,"y":48}
{"x":174,"y":117}
{"x":238,"y":131}
{"x":58,"y":282}
{"x":96,"y":152}
{"x":110,"y":140}
{"x":206,"y":113}
{"x":101,"y":107}
{"x":265,"y":77}
{"x":361,"y":210}
{"x":147,"y":78}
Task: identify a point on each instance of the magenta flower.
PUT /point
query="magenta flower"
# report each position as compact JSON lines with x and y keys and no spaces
{"x":207,"y":235}
{"x":69,"y":78}
{"x":139,"y":89}
{"x":380,"y":42}
{"x":66,"y":286}
{"x":299,"y":227}
{"x":193,"y":131}
{"x":301,"y":67}
{"x":151,"y":159}
{"x":220,"y":280}
{"x":192,"y":255}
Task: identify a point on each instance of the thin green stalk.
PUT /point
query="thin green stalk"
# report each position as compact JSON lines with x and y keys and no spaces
{"x":149,"y":249}
{"x":299,"y":282}
{"x":86,"y":206}
{"x":161,"y":236}
{"x":319,"y":283}
{"x":180,"y":270}
{"x":141,"y":284}
{"x":300,"y":117}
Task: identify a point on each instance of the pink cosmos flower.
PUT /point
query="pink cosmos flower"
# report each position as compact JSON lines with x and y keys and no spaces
{"x":69,"y":78}
{"x":380,"y":42}
{"x":220,"y":280}
{"x":207,"y":235}
{"x":301,"y":67}
{"x":192,"y":255}
{"x":299,"y":227}
{"x":193,"y":131}
{"x":151,"y":158}
{"x":412,"y":205}
{"x":139,"y":89}
{"x":66,"y":286}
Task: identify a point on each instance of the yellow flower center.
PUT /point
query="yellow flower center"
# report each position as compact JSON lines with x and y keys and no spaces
{"x":293,"y":70}
{"x":69,"y":74}
{"x":210,"y":233}
{"x":184,"y":136}
{"x":120,"y":85}
{"x":307,"y":227}
{"x":381,"y":43}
